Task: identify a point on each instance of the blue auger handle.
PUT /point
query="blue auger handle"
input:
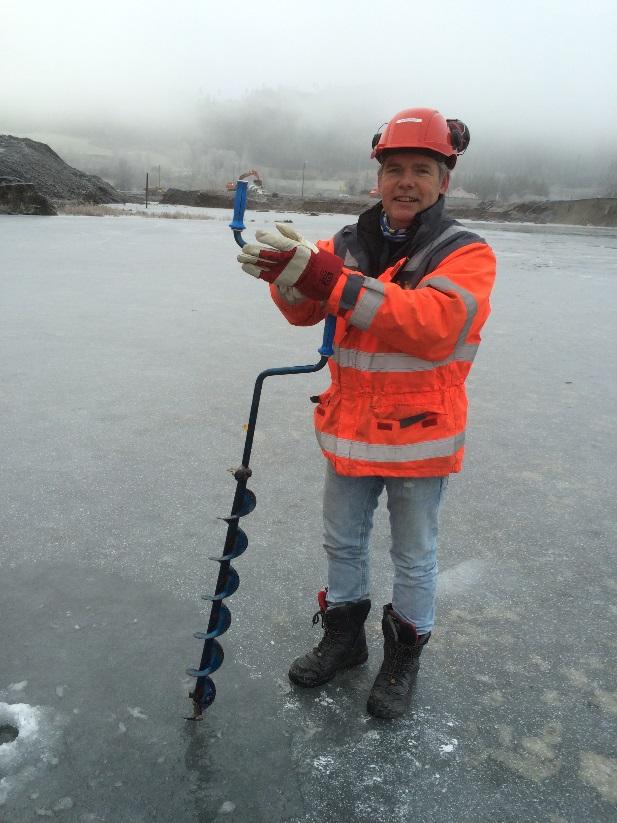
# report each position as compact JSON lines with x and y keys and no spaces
{"x":237,"y":223}
{"x":237,"y":226}
{"x":327,"y":344}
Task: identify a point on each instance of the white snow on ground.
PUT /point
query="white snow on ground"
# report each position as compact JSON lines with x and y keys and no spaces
{"x":23,"y":758}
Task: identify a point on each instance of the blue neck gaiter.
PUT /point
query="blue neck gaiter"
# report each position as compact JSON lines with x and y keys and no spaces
{"x":394,"y":235}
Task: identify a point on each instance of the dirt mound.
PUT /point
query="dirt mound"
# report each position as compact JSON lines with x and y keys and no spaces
{"x":597,"y":211}
{"x":28,"y":161}
{"x":269,"y":202}
{"x":203,"y":199}
{"x":23,"y":198}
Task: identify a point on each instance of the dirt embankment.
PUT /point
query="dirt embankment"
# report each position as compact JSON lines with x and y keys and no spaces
{"x":599,"y":211}
{"x":23,"y":198}
{"x":596,"y":211}
{"x":279,"y":202}
{"x":27,"y":161}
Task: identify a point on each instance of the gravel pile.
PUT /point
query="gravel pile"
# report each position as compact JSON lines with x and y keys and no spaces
{"x":29,"y":161}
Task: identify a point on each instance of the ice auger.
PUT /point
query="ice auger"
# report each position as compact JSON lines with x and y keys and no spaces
{"x":244,"y":502}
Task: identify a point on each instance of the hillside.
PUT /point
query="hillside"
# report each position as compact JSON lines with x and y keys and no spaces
{"x":28,"y":161}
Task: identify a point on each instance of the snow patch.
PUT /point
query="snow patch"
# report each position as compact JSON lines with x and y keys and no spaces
{"x":227,"y":807}
{"x":324,"y":763}
{"x":137,"y":713}
{"x":32,"y":749}
{"x":460,"y":578}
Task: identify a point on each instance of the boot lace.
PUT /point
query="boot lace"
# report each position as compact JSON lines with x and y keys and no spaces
{"x":332,"y":636}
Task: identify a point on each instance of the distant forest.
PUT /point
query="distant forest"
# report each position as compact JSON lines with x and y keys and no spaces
{"x":290,"y":137}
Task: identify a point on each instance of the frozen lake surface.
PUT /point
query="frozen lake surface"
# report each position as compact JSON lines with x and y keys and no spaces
{"x":129,"y":351}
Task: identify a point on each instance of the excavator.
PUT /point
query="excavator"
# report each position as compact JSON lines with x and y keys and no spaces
{"x":256,"y":185}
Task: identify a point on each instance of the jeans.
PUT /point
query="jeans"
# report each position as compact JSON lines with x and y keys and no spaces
{"x":413,"y":504}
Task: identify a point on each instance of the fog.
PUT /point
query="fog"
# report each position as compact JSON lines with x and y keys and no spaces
{"x":203,"y":89}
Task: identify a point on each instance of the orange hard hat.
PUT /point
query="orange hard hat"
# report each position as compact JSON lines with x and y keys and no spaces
{"x":425,"y":130}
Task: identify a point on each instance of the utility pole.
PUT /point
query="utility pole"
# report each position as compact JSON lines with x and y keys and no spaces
{"x":302,"y":188}
{"x":146,"y":189}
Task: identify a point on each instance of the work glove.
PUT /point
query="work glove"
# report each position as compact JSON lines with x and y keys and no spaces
{"x":291,"y":263}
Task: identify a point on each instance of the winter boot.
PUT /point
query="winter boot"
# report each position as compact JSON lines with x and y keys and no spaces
{"x":342,"y":646}
{"x":393,"y":685}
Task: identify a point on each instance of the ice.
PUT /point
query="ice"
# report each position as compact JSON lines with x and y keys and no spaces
{"x":129,"y":353}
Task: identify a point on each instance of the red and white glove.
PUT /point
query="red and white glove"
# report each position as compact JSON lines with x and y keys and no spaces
{"x":291,"y":263}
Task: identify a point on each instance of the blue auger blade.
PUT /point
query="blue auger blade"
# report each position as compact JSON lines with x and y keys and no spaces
{"x":240,"y":544}
{"x":221,"y":627}
{"x":231,"y":586}
{"x":249,"y":501}
{"x":216,"y":661}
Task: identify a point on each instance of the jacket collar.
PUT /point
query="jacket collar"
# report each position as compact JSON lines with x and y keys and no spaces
{"x":370,"y":245}
{"x":425,"y":223}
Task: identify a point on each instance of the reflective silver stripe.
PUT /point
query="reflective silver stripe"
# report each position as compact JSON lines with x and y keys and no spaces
{"x":397,"y":361}
{"x":350,"y":261}
{"x":444,"y":284}
{"x":368,"y":305}
{"x":379,"y":453}
{"x":418,"y":258}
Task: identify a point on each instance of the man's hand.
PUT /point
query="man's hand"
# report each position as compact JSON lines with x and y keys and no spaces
{"x":289,"y":261}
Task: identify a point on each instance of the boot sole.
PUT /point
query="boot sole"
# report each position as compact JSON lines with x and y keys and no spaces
{"x":314,"y":683}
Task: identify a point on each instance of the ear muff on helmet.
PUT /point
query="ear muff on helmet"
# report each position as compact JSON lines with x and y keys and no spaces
{"x":459,"y":134}
{"x":377,"y":136}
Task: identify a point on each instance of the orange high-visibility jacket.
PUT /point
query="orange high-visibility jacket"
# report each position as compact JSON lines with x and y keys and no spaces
{"x":404,"y":344}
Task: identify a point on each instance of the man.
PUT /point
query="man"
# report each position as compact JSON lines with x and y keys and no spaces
{"x":410,"y":289}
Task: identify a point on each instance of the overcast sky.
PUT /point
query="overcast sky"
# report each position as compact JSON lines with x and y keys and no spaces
{"x":538,"y":67}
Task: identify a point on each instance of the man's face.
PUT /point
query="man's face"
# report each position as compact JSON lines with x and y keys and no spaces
{"x":408,"y":183}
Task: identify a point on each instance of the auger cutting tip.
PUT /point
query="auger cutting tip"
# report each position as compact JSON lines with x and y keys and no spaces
{"x":202,"y":696}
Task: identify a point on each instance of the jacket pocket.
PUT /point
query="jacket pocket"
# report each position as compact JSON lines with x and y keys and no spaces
{"x":407,"y":419}
{"x":322,"y":401}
